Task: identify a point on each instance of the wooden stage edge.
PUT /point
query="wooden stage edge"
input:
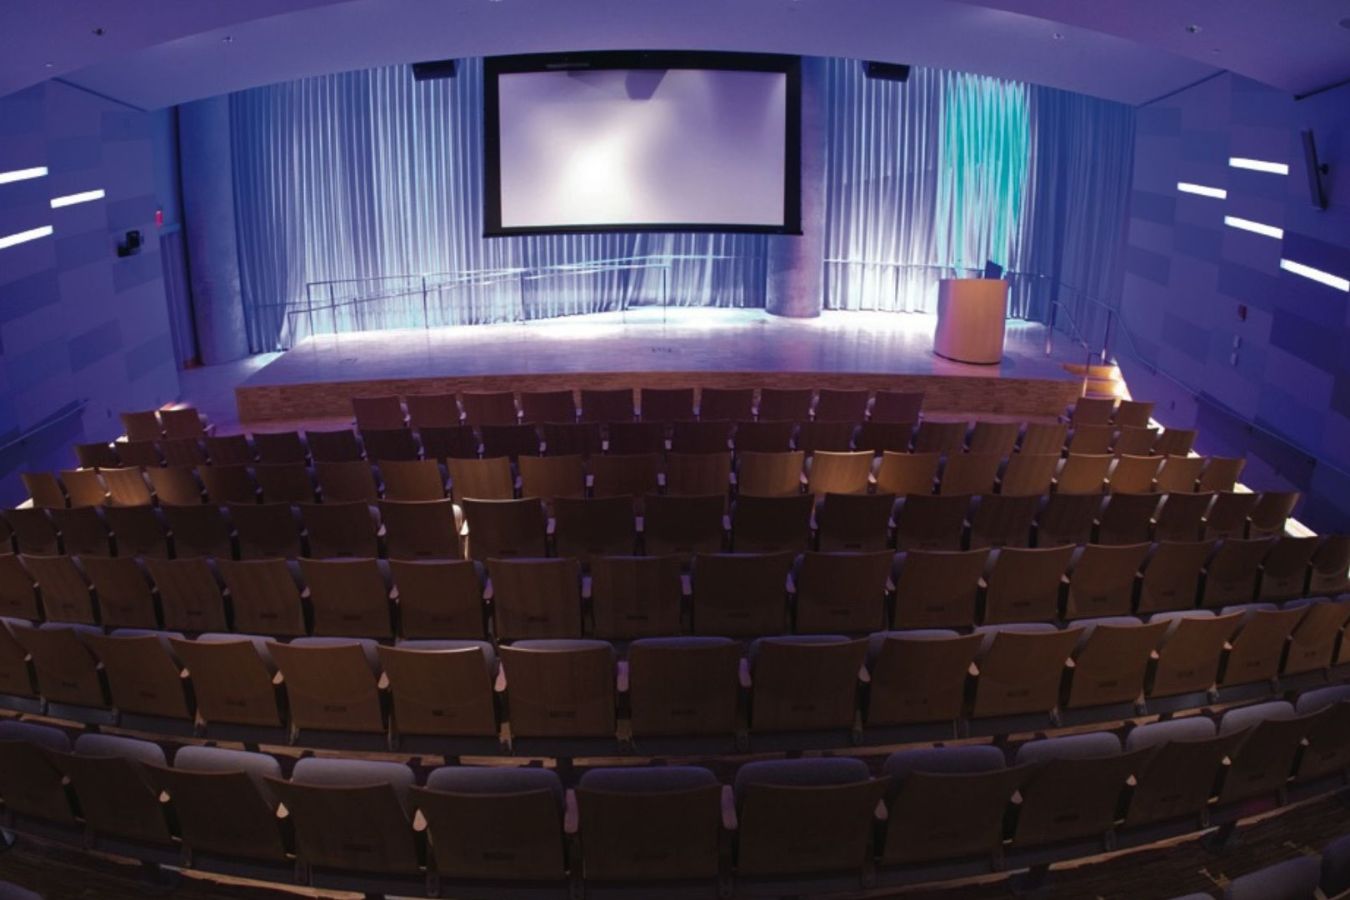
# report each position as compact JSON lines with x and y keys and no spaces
{"x":973,"y":394}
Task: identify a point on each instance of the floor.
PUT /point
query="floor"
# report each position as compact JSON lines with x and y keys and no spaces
{"x":645,"y":340}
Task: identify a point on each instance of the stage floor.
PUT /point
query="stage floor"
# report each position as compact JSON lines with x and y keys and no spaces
{"x":686,"y":347}
{"x":684,"y":340}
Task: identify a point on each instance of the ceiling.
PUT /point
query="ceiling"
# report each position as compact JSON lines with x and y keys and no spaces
{"x":155,"y":53}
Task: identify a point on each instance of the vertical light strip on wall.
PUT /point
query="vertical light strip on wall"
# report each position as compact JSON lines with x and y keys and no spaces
{"x":31,"y":234}
{"x":1258,"y":165}
{"x":72,"y":199}
{"x":1202,"y":190}
{"x":22,"y":174}
{"x":1253,"y":227}
{"x":1327,"y":278}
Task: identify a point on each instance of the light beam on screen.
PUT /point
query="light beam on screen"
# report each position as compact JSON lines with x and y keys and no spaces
{"x":22,"y":174}
{"x":1259,"y":165}
{"x":1327,"y":278}
{"x":1202,"y":190}
{"x":21,"y":237}
{"x":72,"y":199}
{"x":621,"y":147}
{"x":1253,"y":227}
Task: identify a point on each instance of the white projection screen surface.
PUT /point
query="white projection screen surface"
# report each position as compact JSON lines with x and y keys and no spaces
{"x":613,"y":148}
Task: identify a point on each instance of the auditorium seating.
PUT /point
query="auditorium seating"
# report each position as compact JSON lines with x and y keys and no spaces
{"x":927,"y":813}
{"x":646,"y":584}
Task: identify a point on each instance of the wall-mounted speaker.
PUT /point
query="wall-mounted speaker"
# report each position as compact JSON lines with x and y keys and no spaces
{"x":129,"y":245}
{"x":884,"y":71}
{"x":1316,"y":189}
{"x":433,"y":70}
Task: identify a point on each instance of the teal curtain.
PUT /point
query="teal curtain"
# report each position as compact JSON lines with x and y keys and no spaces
{"x":929,"y":178}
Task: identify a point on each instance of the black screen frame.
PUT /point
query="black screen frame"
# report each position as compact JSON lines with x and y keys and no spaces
{"x":494,"y":66}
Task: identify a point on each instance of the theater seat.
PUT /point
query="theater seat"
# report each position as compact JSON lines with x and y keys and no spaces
{"x":1336,"y":867}
{"x":1072,"y":796}
{"x":226,"y":811}
{"x":332,"y":686}
{"x":421,"y":530}
{"x":918,"y":678}
{"x":535,"y":598}
{"x":189,"y":594}
{"x":740,"y":594}
{"x":854,"y":522}
{"x":118,"y":799}
{"x":495,"y":824}
{"x":439,"y":598}
{"x":842,"y":592}
{"x":353,"y":824}
{"x":558,"y":691}
{"x":348,"y":598}
{"x":441,"y":690}
{"x":378,"y":412}
{"x":30,"y":782}
{"x":635,"y":596}
{"x":1174,"y":784}
{"x":1264,"y":758}
{"x":265,"y":596}
{"x":946,"y":804}
{"x":1296,"y":879}
{"x":645,"y":827}
{"x":232,"y":679}
{"x":805,"y":819}
{"x":682,"y":687}
{"x":804,"y":683}
{"x":771,"y":524}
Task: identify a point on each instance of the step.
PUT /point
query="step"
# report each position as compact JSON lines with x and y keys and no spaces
{"x":1094,"y":371}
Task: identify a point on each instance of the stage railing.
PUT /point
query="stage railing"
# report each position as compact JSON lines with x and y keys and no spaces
{"x":507,"y":294}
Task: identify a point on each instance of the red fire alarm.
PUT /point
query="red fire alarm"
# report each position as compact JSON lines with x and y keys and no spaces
{"x":159,"y":218}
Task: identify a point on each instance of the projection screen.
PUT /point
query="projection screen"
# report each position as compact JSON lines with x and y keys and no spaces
{"x":642,"y":142}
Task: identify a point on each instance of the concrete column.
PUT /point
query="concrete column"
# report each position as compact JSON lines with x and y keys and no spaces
{"x":796,"y":265}
{"x":208,"y":223}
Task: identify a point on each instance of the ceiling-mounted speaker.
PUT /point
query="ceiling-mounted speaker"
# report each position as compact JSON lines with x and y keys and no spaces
{"x":885,"y":71}
{"x":434,"y":70}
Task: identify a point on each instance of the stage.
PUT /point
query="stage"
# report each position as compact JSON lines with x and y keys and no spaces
{"x":651,"y":348}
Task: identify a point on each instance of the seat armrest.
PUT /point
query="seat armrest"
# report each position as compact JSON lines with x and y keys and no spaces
{"x":728,"y":808}
{"x":571,"y":815}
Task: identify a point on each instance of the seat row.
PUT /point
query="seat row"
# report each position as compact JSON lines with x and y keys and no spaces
{"x":587,"y":439}
{"x":624,"y":596}
{"x":761,"y":474}
{"x":566,"y":697}
{"x":661,"y":524}
{"x":801,"y":825}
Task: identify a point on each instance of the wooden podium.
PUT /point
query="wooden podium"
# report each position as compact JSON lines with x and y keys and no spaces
{"x":971,"y":317}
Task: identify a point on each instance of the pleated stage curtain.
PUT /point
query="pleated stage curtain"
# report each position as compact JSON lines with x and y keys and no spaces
{"x":930,"y":178}
{"x":369,"y":184}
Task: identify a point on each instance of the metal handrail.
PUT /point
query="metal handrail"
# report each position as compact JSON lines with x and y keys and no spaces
{"x":77,"y":406}
{"x":379,"y":287}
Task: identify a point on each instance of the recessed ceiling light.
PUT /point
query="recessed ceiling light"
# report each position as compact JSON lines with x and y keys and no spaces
{"x":1193,"y":29}
{"x":227,"y":39}
{"x":100,"y":32}
{"x":1058,"y":35}
{"x":50,"y":65}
